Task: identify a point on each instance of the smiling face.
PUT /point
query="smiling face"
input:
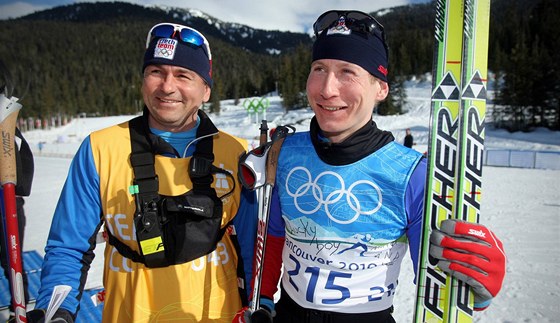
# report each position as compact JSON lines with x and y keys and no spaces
{"x":342,"y":96}
{"x":173,"y":96}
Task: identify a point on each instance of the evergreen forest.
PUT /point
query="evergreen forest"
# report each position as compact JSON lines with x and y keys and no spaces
{"x":87,"y":59}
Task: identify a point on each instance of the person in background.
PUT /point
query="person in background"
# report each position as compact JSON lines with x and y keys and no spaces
{"x":180,"y":232}
{"x":348,"y":200}
{"x":408,"y":139}
{"x":24,"y":170}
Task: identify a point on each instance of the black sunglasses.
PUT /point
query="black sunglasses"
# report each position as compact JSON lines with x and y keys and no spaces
{"x":354,"y":20}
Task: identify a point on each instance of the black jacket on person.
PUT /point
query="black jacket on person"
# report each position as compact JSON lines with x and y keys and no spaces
{"x":408,"y":141}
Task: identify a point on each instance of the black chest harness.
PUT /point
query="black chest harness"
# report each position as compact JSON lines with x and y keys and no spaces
{"x":172,"y":230}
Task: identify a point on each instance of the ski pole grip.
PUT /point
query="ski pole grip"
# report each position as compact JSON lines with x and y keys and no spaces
{"x":264,"y":133}
{"x":9,"y":109}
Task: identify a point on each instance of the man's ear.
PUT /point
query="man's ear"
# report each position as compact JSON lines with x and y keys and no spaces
{"x":383,"y":90}
{"x":207,"y":92}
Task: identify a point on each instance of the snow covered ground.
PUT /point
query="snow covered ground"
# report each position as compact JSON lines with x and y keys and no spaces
{"x":521,"y":205}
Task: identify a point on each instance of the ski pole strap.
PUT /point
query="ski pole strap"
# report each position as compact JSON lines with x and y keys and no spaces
{"x":282,"y":132}
{"x":272,"y":159}
{"x":252,"y":166}
{"x":263,"y":138}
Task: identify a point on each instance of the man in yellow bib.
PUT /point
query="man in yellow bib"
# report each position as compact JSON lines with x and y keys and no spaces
{"x":163,"y":185}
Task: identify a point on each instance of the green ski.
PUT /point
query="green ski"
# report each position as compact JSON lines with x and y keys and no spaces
{"x":455,"y":148}
{"x":470,"y":148}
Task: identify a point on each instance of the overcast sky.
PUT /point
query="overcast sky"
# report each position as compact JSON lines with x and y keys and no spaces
{"x":285,"y":15}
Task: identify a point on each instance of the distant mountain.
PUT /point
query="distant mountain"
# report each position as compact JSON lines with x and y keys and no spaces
{"x":86,"y":57}
{"x":254,"y":40}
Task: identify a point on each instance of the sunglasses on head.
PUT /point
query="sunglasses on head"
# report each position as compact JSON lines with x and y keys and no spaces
{"x":185,"y":34}
{"x":354,"y":20}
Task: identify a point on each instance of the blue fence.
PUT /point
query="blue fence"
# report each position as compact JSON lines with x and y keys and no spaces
{"x":523,"y":158}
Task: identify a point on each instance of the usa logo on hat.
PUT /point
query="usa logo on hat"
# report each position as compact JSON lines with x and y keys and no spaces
{"x":165,"y":48}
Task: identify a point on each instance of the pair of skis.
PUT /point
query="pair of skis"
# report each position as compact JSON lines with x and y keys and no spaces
{"x":455,"y":149}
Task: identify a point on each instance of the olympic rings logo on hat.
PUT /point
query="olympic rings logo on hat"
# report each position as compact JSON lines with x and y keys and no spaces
{"x":165,"y":48}
{"x":165,"y":53}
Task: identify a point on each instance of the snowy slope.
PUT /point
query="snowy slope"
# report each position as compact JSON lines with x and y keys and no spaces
{"x":521,"y":205}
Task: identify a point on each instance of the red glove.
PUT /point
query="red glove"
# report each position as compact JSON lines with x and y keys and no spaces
{"x":471,"y":253}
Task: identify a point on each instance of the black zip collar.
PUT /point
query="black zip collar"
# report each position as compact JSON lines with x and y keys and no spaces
{"x":360,"y":144}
